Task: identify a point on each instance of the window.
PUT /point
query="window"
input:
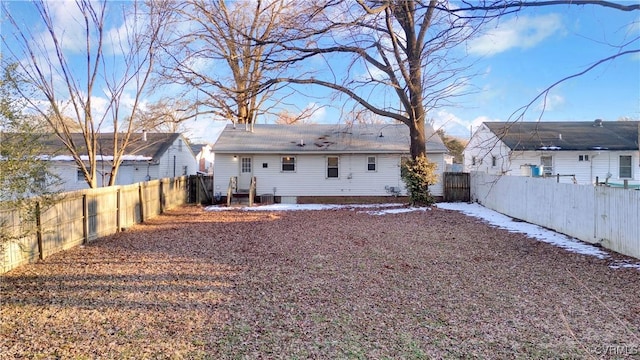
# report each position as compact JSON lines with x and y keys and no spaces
{"x":332,"y":166}
{"x":473,"y":160}
{"x":547,"y":162}
{"x":245,"y":165}
{"x":40,"y":181}
{"x":185,"y":170}
{"x":80,"y":175}
{"x":371,"y":163}
{"x":583,"y":157}
{"x":288,"y":163}
{"x":625,"y":166}
{"x":179,"y":144}
{"x":494,"y":161}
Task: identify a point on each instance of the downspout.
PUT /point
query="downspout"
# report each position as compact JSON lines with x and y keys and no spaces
{"x":593,"y":156}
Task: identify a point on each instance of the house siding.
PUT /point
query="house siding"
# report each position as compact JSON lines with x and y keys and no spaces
{"x":484,"y":145}
{"x":310,"y":176}
{"x":566,"y":163}
{"x":129,"y":172}
{"x":437,"y":189}
{"x":168,"y":167}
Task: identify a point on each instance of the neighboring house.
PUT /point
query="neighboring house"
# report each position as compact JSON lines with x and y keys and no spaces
{"x":579,"y":151}
{"x":148,"y":156}
{"x":319,"y":160}
{"x":204,"y":157}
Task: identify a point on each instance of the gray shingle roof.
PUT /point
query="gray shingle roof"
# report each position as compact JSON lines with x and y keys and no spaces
{"x":322,"y":138}
{"x":567,"y":135}
{"x":155,"y":145}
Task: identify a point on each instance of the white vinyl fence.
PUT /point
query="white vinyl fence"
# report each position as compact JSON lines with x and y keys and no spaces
{"x":594,"y":214}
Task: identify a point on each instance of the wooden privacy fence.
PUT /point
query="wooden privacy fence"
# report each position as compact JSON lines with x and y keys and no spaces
{"x":201,"y":189}
{"x":457,"y":187}
{"x":82,"y":216}
{"x":594,"y":214}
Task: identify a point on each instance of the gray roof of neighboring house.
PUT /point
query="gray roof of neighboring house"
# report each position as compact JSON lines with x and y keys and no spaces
{"x":155,"y":145}
{"x":568,"y":135}
{"x":322,"y":138}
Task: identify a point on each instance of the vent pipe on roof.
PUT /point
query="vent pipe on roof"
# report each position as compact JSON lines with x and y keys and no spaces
{"x":597,"y":122}
{"x":559,"y":136}
{"x":144,"y":135}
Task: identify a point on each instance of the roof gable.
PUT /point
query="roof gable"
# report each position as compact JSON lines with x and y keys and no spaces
{"x":325,"y":138}
{"x":567,"y":135}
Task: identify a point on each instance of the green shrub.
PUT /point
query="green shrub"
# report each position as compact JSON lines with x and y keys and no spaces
{"x":417,"y":175}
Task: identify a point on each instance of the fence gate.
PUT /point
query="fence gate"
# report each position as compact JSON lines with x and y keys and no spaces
{"x":457,"y":187}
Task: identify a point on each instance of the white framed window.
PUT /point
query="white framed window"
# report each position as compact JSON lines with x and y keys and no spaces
{"x":584,"y":157}
{"x":333,"y":167}
{"x":179,"y":144}
{"x":371,"y":163}
{"x":288,"y":164}
{"x":245,"y":165}
{"x":625,"y":166}
{"x":547,"y":162}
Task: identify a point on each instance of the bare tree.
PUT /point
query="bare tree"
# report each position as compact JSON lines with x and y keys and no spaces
{"x":119,"y":63}
{"x":409,"y":49}
{"x":219,"y":48}
{"x":402,"y":48}
{"x":163,"y":116}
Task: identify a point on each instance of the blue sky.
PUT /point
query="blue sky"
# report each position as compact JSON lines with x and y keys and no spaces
{"x":522,"y":55}
{"x":516,"y":58}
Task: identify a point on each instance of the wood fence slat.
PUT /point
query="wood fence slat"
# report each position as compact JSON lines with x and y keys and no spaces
{"x":85,"y":215}
{"x":457,"y":187}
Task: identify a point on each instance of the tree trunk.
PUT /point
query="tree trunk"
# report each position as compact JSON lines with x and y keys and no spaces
{"x":418,"y":139}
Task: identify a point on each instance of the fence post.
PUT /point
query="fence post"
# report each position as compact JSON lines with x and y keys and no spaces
{"x":198,"y":199}
{"x":118,"y":210}
{"x":85,"y":219}
{"x":39,"y":231}
{"x":161,"y":197}
{"x":141,"y":200}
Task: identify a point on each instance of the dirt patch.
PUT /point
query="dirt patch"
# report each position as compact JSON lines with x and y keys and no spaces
{"x":318,"y":284}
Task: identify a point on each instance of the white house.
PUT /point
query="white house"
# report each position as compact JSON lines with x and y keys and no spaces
{"x":204,"y":157}
{"x":578,"y":151}
{"x":292,"y":162}
{"x":148,"y":156}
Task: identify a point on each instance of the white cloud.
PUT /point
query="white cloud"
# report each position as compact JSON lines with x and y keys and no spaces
{"x":318,"y":113}
{"x":68,"y":26}
{"x":453,"y":125}
{"x":551,"y":102}
{"x":519,"y":32}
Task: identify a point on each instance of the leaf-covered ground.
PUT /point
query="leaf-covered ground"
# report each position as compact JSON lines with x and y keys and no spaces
{"x":318,"y":284}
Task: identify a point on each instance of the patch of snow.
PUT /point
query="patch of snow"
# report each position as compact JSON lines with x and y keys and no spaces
{"x":98,"y":158}
{"x":625,"y":264}
{"x":298,"y":207}
{"x":395,"y":211}
{"x":476,"y":210}
{"x":537,"y":232}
